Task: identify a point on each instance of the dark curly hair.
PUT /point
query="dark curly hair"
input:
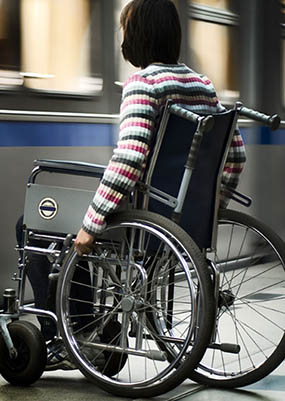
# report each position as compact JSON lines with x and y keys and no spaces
{"x":152,"y":32}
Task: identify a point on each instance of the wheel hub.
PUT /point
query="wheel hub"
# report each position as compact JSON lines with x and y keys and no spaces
{"x":226,"y":298}
{"x":130,"y":303}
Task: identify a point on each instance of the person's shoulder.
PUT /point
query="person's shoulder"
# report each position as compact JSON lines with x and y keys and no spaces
{"x":204,"y":79}
{"x":177,"y":71}
{"x":138,"y":79}
{"x":156,"y":69}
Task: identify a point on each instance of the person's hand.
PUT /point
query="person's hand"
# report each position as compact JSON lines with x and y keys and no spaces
{"x":83,"y":242}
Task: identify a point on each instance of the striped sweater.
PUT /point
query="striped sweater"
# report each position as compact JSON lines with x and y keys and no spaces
{"x":144,"y":93}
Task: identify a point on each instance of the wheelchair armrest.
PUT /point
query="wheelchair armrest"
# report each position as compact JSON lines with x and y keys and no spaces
{"x":69,"y":167}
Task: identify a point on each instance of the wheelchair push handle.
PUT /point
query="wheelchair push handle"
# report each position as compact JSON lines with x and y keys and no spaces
{"x":271,"y":121}
{"x":194,"y":150}
{"x":207,"y":122}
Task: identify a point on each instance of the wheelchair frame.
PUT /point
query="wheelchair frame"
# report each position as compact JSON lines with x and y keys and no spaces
{"x":185,"y":353}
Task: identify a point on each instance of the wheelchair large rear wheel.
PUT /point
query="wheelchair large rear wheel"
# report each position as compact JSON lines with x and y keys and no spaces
{"x":250,"y":259}
{"x":144,"y":266}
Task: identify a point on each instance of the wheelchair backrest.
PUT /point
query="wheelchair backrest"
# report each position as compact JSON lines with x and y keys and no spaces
{"x":201,"y":204}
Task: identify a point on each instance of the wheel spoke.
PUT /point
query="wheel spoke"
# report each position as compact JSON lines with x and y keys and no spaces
{"x":138,"y":280}
{"x":251,"y":313}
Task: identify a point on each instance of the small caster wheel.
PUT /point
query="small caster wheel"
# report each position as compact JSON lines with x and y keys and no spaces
{"x":31,"y":358}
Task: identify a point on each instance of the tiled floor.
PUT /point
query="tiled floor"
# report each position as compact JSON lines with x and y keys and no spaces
{"x":72,"y":386}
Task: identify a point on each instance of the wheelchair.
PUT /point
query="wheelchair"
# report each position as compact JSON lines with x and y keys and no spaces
{"x":155,"y":302}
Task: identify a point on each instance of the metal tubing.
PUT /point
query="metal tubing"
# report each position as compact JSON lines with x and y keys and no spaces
{"x":6,"y":335}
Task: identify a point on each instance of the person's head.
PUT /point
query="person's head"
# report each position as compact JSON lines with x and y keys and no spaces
{"x":152,"y":32}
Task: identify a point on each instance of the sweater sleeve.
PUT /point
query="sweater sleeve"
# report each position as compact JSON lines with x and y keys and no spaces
{"x":137,"y":115}
{"x":233,"y":167}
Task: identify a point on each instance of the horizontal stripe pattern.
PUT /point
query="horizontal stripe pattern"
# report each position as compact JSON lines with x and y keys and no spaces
{"x":144,"y":94}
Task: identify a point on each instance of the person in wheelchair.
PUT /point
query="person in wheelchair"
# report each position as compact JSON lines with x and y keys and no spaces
{"x":151,"y":42}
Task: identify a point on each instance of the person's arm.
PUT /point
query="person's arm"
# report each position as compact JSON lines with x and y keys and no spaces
{"x":138,"y":109}
{"x":233,"y":167}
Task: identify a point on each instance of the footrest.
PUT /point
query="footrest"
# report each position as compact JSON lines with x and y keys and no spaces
{"x":226,"y":347}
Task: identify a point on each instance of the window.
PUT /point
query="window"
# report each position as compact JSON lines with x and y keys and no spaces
{"x":224,"y":4}
{"x":283,"y":69}
{"x":213,"y":40}
{"x":283,"y":48}
{"x":59,"y":44}
{"x":9,"y":43}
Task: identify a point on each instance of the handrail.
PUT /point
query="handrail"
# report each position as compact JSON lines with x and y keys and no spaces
{"x":33,"y":115}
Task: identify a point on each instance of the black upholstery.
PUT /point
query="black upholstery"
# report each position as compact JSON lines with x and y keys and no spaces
{"x":199,"y":206}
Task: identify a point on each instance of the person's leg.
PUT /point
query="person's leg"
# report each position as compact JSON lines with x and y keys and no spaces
{"x":38,"y":268}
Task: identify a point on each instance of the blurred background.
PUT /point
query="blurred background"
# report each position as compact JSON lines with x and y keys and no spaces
{"x":60,"y":74}
{"x":70,"y":47}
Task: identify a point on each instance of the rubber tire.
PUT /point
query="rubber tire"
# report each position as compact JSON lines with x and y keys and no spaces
{"x":278,"y":356}
{"x":30,"y":363}
{"x":206,"y":325}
